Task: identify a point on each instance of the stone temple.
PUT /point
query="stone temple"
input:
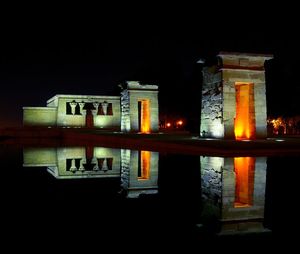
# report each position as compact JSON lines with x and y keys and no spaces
{"x":234,"y":97}
{"x":136,"y":110}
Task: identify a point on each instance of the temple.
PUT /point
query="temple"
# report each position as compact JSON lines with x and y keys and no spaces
{"x":136,"y":110}
{"x":234,"y":97}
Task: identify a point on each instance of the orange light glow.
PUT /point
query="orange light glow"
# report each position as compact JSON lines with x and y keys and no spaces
{"x":168,"y":124}
{"x":180,"y":122}
{"x":244,"y":124}
{"x":244,"y":182}
{"x":145,"y":113}
{"x":145,"y":165}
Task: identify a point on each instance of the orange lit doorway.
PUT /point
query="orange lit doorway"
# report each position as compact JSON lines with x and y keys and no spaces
{"x":244,"y":168}
{"x":144,"y":116}
{"x":244,"y":124}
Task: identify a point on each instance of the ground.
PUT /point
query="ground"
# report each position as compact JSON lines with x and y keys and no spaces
{"x":181,"y":143}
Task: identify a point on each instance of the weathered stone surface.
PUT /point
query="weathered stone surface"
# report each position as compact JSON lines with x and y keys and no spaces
{"x":219,"y":108}
{"x":133,"y":93}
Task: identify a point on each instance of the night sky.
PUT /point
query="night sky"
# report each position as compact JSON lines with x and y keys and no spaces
{"x":35,"y":68}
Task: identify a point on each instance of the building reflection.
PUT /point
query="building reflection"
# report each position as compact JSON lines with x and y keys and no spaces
{"x":233,"y":193}
{"x":137,"y":170}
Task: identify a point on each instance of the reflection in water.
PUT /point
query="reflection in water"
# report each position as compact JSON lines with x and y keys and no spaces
{"x":138,"y":170}
{"x":233,"y":193}
{"x":233,"y":189}
{"x":244,"y":182}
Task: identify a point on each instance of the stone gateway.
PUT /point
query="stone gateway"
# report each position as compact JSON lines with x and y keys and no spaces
{"x":234,"y":97}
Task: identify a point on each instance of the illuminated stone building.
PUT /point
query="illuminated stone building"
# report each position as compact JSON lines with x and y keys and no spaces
{"x":234,"y":97}
{"x":136,"y":110}
{"x":233,"y":192}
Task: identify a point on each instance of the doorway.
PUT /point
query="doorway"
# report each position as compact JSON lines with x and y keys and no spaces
{"x":244,"y":123}
{"x":144,"y":116}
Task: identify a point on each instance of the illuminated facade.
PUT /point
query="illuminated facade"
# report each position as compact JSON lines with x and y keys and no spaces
{"x":137,"y":170}
{"x":234,"y":97}
{"x":136,"y":110}
{"x":139,"y":107}
{"x":233,"y":192}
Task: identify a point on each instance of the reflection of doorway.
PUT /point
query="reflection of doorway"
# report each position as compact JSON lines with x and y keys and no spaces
{"x":144,"y":165}
{"x":244,"y":168}
{"x":89,"y":119}
{"x":144,"y":116}
{"x":244,"y":124}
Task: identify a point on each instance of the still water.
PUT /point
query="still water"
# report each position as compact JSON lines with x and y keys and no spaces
{"x":97,"y":194}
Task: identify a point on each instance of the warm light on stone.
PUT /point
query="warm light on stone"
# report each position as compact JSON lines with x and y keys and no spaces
{"x":145,"y":116}
{"x":244,"y":124}
{"x":139,"y":107}
{"x":234,"y":97}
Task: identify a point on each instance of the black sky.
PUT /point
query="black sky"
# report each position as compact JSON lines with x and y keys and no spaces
{"x":34,"y":68}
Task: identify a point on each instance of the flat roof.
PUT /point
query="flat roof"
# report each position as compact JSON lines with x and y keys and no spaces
{"x":41,"y":108}
{"x":238,"y":54}
{"x":89,"y":97}
{"x":137,"y":85}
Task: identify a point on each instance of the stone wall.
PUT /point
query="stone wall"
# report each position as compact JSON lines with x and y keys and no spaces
{"x":79,"y":120}
{"x":212,"y":104}
{"x":39,"y":116}
{"x":132,"y":93}
{"x":125,"y":111}
{"x":135,"y":97}
{"x":218,"y":111}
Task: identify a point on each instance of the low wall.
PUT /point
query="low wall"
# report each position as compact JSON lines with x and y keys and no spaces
{"x":39,"y":116}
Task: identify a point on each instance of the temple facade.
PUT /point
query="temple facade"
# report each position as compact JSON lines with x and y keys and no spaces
{"x":234,"y":97}
{"x":135,"y":110}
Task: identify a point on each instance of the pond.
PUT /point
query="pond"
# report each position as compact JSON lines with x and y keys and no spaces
{"x":92,"y":193}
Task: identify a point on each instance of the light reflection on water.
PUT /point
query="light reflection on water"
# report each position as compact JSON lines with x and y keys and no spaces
{"x":227,"y":198}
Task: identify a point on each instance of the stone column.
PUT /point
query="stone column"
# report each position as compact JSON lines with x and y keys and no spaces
{"x":73,"y":166}
{"x":94,"y":112}
{"x":81,"y":105}
{"x":104,"y":107}
{"x":73,"y":105}
{"x":96,"y":105}
{"x":95,"y":161}
{"x":81,"y":167}
{"x":104,"y":166}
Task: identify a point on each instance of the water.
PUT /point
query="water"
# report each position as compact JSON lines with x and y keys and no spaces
{"x":96,"y":195}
